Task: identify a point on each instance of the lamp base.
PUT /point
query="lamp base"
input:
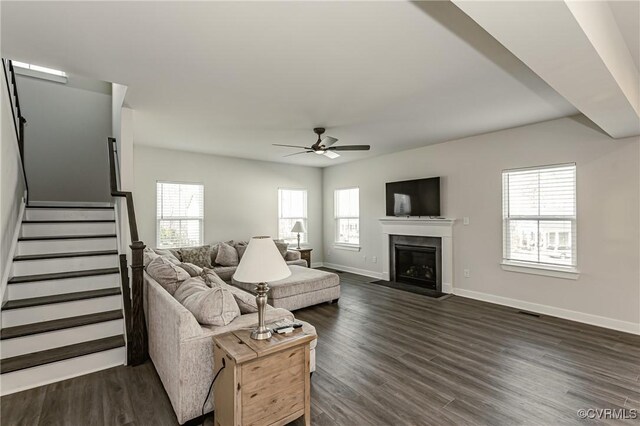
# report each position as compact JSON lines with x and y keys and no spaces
{"x":261,"y":335}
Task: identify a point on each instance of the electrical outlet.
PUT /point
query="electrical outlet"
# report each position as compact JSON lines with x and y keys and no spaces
{"x":374,"y":259}
{"x":465,"y":220}
{"x":467,"y":273}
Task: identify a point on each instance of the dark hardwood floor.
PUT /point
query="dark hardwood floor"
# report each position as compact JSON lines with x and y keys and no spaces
{"x":387,"y":357}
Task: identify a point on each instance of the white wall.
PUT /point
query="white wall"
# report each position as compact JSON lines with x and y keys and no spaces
{"x":66,"y":138}
{"x":608,"y":172}
{"x":241,"y":196}
{"x":11,"y":186}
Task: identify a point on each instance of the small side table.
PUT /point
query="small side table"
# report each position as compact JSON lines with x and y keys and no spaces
{"x":305,"y":253}
{"x":264,"y":382}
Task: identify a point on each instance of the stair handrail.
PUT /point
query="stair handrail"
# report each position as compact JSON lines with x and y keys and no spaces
{"x":137,"y":351}
{"x":19,"y":121}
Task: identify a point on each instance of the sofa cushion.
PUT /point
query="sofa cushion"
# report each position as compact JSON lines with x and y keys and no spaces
{"x":168,"y":275}
{"x":148,"y":255}
{"x":200,"y":256}
{"x":213,"y":305}
{"x":302,"y":280}
{"x":192,"y":270}
{"x":227,"y":255}
{"x":282,"y":247}
{"x":241,"y":247}
{"x":171,"y":254}
{"x":225,"y":272}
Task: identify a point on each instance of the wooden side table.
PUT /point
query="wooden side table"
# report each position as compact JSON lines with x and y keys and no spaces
{"x":305,"y":253}
{"x":264,"y":382}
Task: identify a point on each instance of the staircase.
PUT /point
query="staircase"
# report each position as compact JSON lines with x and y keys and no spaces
{"x":63,"y":312}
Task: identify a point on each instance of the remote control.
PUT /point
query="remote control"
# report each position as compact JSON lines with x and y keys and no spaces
{"x":293,"y":325}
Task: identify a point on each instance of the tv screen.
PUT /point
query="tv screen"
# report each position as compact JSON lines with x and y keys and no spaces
{"x":420,"y":197}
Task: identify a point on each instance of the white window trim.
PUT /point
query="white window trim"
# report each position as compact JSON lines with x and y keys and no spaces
{"x":338,"y":244}
{"x":204,"y":211}
{"x":303,"y":244}
{"x":570,"y":272}
{"x":557,"y":271}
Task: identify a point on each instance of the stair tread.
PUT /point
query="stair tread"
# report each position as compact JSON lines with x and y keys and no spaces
{"x":72,"y":207}
{"x":71,"y":221}
{"x":59,"y":324}
{"x":63,"y":275}
{"x":60,"y":354}
{"x":66,"y":237}
{"x":64,"y":255}
{"x":59,"y":298}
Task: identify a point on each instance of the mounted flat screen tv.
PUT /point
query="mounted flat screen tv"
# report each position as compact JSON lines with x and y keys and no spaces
{"x":420,"y":197}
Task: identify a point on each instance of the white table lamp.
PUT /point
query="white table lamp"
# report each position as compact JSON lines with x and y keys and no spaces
{"x":299,"y":227}
{"x":261,"y":263}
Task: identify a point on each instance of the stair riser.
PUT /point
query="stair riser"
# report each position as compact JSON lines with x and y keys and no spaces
{"x":68,"y":285}
{"x":65,"y":246}
{"x":54,"y":372}
{"x":70,"y":264}
{"x":70,"y":214}
{"x":73,"y":228}
{"x":30,"y":315}
{"x":55,"y":339}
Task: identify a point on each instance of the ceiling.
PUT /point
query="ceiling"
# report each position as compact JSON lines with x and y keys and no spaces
{"x":232,"y":78}
{"x":627,"y":16}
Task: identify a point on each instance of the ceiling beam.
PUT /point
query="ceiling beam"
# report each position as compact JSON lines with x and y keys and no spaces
{"x":577,"y":48}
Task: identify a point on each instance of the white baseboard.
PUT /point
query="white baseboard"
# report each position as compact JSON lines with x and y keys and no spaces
{"x":447,"y":288}
{"x":614,"y":324}
{"x":366,"y":273}
{"x":12,"y":251}
{"x":72,"y":203}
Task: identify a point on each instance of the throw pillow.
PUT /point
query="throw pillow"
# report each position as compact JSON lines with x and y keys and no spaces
{"x":227,"y":255}
{"x":214,"y":253}
{"x":168,"y":275}
{"x":241,"y":247}
{"x":192,"y":270}
{"x":209,"y":305}
{"x":282,"y":247}
{"x":200,"y":256}
{"x":148,"y":255}
{"x":171,"y":255}
{"x":246,"y":301}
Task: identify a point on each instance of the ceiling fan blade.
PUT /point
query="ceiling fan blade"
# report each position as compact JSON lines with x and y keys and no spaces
{"x":350,"y":148}
{"x":291,"y":146}
{"x":327,"y":141}
{"x":331,"y":154}
{"x":296,"y":153}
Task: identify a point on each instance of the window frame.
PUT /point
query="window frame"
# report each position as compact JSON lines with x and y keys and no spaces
{"x":531,"y":267}
{"x":304,"y":237}
{"x":341,"y":244}
{"x":158,"y":219}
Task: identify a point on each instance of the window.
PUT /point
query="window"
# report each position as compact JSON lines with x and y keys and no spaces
{"x":180,"y":214}
{"x":292,"y":207}
{"x":347,"y":215}
{"x":539,"y":216}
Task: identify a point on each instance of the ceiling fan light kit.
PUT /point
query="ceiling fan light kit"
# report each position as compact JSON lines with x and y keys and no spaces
{"x":324,"y":146}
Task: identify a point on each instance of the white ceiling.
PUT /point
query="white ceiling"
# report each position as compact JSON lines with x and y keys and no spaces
{"x":233,"y":78}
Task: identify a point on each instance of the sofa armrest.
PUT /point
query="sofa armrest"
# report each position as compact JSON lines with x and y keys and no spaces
{"x":292,"y":255}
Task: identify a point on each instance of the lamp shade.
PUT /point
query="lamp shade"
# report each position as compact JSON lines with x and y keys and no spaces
{"x":261,"y":262}
{"x":299,"y":227}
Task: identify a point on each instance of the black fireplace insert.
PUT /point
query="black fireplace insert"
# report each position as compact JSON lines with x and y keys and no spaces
{"x":416,"y":265}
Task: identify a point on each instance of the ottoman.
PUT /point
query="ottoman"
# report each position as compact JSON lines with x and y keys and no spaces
{"x":304,"y":287}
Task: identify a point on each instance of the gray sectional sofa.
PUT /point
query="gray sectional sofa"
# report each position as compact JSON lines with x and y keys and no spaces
{"x":182,"y":349}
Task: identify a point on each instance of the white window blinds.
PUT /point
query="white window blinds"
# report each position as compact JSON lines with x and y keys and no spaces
{"x":539,"y":215}
{"x":180,"y":214}
{"x":347,"y":215}
{"x":292,"y":207}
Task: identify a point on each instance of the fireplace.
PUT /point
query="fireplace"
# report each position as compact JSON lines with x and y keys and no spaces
{"x":416,"y":260}
{"x":416,"y":265}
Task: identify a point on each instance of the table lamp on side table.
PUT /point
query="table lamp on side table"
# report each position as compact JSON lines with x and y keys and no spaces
{"x":261,"y":263}
{"x":299,"y":227}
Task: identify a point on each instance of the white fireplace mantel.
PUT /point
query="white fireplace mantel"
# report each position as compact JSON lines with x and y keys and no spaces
{"x":421,"y":227}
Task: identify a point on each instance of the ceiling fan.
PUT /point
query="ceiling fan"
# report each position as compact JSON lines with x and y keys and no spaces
{"x":324,"y":146}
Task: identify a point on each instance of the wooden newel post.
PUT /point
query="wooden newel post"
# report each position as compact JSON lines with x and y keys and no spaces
{"x":138,"y":339}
